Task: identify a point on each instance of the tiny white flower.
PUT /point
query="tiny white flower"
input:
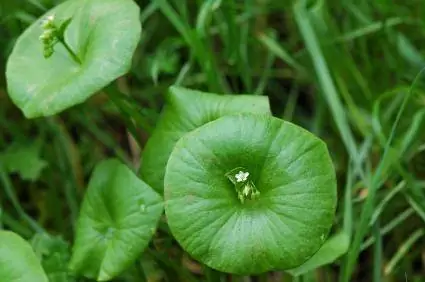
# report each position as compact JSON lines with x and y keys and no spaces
{"x":47,"y":22}
{"x":241,"y":176}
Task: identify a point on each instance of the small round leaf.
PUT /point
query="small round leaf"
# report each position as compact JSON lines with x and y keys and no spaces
{"x":118,"y":217}
{"x":18,"y":262}
{"x":185,"y":111}
{"x":250,"y":193}
{"x":102,"y":33}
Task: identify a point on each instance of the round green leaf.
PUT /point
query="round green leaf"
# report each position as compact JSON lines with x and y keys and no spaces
{"x":18,"y":262}
{"x":104,"y":35}
{"x":118,"y":217}
{"x":185,"y":111}
{"x":276,"y":217}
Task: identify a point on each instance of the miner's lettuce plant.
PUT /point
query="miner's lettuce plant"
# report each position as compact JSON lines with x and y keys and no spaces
{"x":243,"y":192}
{"x":274,"y":214}
{"x":88,"y":45}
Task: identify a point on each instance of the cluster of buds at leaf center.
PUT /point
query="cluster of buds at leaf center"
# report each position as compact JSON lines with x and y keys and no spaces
{"x":49,"y":37}
{"x":244,"y":186}
{"x":53,"y":34}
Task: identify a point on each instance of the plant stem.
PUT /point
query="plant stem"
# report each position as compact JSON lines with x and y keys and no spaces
{"x":16,"y":226}
{"x":140,"y":271}
{"x":211,"y":274}
{"x":70,"y":51}
{"x":131,"y":114}
{"x":131,"y":107}
{"x":63,"y":145}
{"x":10,"y":192}
{"x":127,"y":117}
{"x":263,"y":277}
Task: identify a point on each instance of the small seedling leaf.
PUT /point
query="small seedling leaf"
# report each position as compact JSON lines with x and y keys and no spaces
{"x":54,"y":254}
{"x":278,"y":219}
{"x":185,"y":111}
{"x":118,"y":218}
{"x":102,"y":33}
{"x":18,"y":262}
{"x":23,"y":159}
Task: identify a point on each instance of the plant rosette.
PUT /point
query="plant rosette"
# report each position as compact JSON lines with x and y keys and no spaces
{"x":248,"y":193}
{"x":70,"y":53}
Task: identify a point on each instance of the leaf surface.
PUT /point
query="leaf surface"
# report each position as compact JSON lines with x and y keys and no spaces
{"x":24,"y":159}
{"x":283,"y":226}
{"x":331,"y":250}
{"x":185,"y":111}
{"x":18,"y":262}
{"x":118,"y":217}
{"x":104,"y":35}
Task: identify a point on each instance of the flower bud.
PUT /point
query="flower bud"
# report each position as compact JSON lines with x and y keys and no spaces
{"x":48,"y":51}
{"x":48,"y":22}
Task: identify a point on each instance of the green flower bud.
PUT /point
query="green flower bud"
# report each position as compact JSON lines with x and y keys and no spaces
{"x":48,"y":51}
{"x":47,"y":36}
{"x":244,"y":187}
{"x":48,"y":22}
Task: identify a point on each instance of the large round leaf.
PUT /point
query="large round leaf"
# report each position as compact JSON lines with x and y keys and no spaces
{"x":18,"y":262}
{"x":117,"y":220}
{"x":280,"y":228}
{"x":103,"y":34}
{"x":185,"y":111}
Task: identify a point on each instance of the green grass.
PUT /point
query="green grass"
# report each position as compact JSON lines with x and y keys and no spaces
{"x":346,"y":70}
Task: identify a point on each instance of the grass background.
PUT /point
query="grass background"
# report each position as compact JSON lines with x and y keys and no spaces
{"x":342,"y":69}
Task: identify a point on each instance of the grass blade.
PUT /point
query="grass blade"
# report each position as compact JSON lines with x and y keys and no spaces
{"x":325,"y":80}
{"x":402,"y":251}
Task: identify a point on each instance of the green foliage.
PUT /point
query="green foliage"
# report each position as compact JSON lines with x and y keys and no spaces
{"x":165,"y":59}
{"x":18,"y":261}
{"x":185,"y":111}
{"x":117,"y":220}
{"x":330,"y":251}
{"x":44,"y":87}
{"x":23,"y":159}
{"x":279,"y":229}
{"x":54,"y":254}
{"x":340,"y":69}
